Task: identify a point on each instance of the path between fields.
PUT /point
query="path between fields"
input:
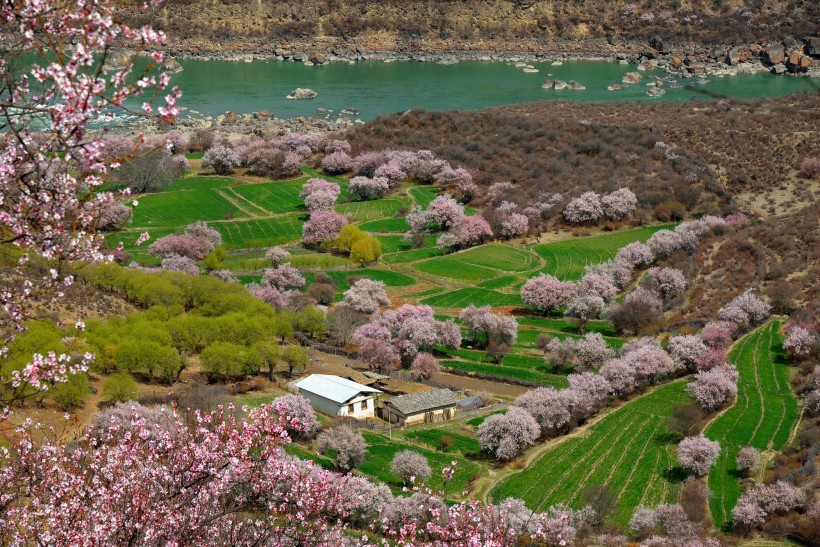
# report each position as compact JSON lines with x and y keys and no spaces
{"x":482,"y":487}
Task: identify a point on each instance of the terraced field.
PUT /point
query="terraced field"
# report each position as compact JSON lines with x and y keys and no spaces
{"x":272,"y":197}
{"x":461,"y":298}
{"x":364,"y":211}
{"x":261,"y":232}
{"x":171,"y":209}
{"x":764,"y":415}
{"x":385,"y":226}
{"x":380,"y":452}
{"x":566,"y":260}
{"x":423,"y":195}
{"x":629,"y":450}
{"x":480,"y":263}
{"x":391,"y":279}
{"x":253,"y":215}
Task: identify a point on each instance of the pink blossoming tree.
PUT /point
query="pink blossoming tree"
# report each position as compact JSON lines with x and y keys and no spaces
{"x":466,"y":232}
{"x":619,"y":204}
{"x":712,"y":388}
{"x":585,"y":209}
{"x":425,"y":365}
{"x":322,"y":226}
{"x":366,"y":296}
{"x":506,"y":435}
{"x":410,"y":467}
{"x":698,"y":454}
{"x":284,"y":278}
{"x":546,"y":293}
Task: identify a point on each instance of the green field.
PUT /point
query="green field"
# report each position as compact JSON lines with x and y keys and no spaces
{"x":445,"y":441}
{"x":391,"y":279}
{"x":411,"y":256}
{"x":171,"y":209}
{"x":566,"y":260}
{"x":273,"y":197}
{"x":423,"y":195}
{"x":480,"y":263}
{"x":461,"y":298}
{"x":503,"y":373}
{"x":385,"y":226}
{"x":260,"y":232}
{"x":364,"y":211}
{"x":629,"y":450}
{"x":764,"y":415}
{"x":380,"y":452}
{"x":198,"y":183}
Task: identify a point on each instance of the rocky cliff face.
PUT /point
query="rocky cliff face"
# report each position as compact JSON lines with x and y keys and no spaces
{"x":497,"y":25}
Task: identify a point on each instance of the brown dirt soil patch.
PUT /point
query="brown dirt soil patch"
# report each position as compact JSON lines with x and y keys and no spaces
{"x":477,"y":384}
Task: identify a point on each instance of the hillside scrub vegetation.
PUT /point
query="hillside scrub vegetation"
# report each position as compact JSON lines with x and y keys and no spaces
{"x":495,"y":24}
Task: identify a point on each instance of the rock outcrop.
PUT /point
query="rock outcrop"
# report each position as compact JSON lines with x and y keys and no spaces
{"x":301,"y":93}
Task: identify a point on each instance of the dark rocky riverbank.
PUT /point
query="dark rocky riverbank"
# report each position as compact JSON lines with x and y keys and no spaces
{"x":790,"y":56}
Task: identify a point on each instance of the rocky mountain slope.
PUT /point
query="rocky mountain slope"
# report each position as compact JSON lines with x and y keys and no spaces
{"x":591,"y":26}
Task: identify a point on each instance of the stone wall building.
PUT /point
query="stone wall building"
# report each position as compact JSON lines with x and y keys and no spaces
{"x":425,"y":407}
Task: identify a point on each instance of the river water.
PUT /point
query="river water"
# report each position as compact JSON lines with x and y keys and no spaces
{"x":373,"y":87}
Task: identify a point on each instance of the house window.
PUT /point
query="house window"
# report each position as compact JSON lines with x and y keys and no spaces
{"x":350,"y":409}
{"x":364,"y":404}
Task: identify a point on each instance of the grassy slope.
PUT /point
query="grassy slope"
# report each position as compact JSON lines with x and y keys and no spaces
{"x":629,"y":450}
{"x":764,"y":415}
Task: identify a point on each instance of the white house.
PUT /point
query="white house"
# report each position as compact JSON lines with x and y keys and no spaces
{"x":337,"y":396}
{"x":431,"y":406}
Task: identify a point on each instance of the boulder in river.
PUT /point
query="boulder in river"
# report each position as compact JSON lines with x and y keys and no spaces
{"x":575,"y":85}
{"x":631,"y":78}
{"x":302,"y":93}
{"x":559,"y":84}
{"x":656,"y":92}
{"x":171,"y":66}
{"x":263,"y":115}
{"x":614,"y":87}
{"x":547,"y":85}
{"x":117,"y":61}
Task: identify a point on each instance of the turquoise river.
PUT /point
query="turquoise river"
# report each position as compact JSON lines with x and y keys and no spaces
{"x":373,"y":87}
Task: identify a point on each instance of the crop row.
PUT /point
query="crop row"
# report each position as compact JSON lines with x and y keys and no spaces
{"x":628,"y":451}
{"x":763,"y":416}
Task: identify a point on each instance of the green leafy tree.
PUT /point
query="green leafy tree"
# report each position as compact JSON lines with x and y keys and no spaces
{"x":348,"y":236}
{"x":366,"y":250}
{"x":295,"y":357}
{"x":271,"y":354}
{"x":230,"y":360}
{"x":311,"y":321}
{"x":213,"y":261}
{"x":283,"y":327}
{"x":119,"y":388}
{"x":72,"y":393}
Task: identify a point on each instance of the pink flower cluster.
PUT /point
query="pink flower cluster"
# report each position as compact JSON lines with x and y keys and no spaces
{"x":409,"y":329}
{"x":366,"y":296}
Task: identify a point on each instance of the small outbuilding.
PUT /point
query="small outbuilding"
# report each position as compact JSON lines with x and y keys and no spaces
{"x":337,"y":396}
{"x":431,"y":406}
